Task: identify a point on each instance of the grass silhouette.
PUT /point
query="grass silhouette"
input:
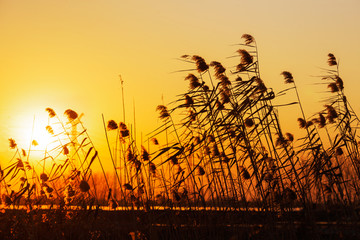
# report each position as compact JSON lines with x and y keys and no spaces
{"x":226,"y":169}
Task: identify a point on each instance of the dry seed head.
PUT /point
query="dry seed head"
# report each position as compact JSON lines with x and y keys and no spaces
{"x":20,"y":164}
{"x":224,"y":158}
{"x":288,"y":77}
{"x":224,"y":80}
{"x":197,"y":140}
{"x":248,"y":39}
{"x":50,"y":130}
{"x":49,"y":189}
{"x":44,"y":177}
{"x":122,"y":126}
{"x":176,"y":196}
{"x":23,"y":152}
{"x":164,"y":114}
{"x":261,"y":86}
{"x":194,"y":81}
{"x":65,"y":150}
{"x":34,"y":143}
{"x":124,"y":132}
{"x":128,"y":186}
{"x":129,"y":155}
{"x":155,"y":141}
{"x":331,"y":60}
{"x":12,"y":143}
{"x":69,"y":191}
{"x":333,"y":87}
{"x":239,"y":79}
{"x":152,"y":168}
{"x":339,"y":83}
{"x":219,"y":105}
{"x":211,"y":138}
{"x":289,"y":137}
{"x":207,"y":150}
{"x":331,"y":113}
{"x":84,"y":186}
{"x":192,"y":115}
{"x":321,"y":121}
{"x":219,"y":69}
{"x":215,"y":151}
{"x":137,"y":164}
{"x":144,"y":154}
{"x":241,"y":67}
{"x":188,"y":101}
{"x":174,"y":160}
{"x":224,"y":97}
{"x":205,"y":88}
{"x":7,"y":200}
{"x":51,"y":112}
{"x":281,"y":141}
{"x":201,"y":65}
{"x":249,"y":122}
{"x":245,"y":173}
{"x":268,"y":177}
{"x":112,"y":125}
{"x":339,"y":151}
{"x":231,"y":133}
{"x":27,"y":165}
{"x":302,"y":123}
{"x":246,"y":58}
{"x":200,"y":171}
{"x":71,"y":114}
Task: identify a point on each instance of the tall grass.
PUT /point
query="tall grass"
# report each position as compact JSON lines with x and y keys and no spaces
{"x":227,"y":152}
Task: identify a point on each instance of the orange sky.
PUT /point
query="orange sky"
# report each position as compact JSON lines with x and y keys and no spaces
{"x":68,"y":54}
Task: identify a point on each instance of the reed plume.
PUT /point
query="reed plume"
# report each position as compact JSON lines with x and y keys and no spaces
{"x":201,"y":65}
{"x":164,"y":114}
{"x":12,"y":143}
{"x":331,"y":60}
{"x":51,"y":112}
{"x":333,"y":87}
{"x":339,"y":82}
{"x":287,"y":77}
{"x":71,"y":114}
{"x":248,"y":39}
{"x":246,"y":58}
{"x":194,"y":81}
{"x":112,"y":125}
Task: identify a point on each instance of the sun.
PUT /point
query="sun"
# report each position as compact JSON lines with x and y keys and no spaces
{"x":39,"y":138}
{"x":32,"y":136}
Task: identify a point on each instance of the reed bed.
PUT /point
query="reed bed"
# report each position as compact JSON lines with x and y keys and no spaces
{"x":223,"y":152}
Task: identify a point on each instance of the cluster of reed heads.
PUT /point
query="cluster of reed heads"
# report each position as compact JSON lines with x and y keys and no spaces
{"x":228,"y":150}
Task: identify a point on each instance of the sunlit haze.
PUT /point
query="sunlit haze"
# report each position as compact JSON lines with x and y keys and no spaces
{"x":69,"y":55}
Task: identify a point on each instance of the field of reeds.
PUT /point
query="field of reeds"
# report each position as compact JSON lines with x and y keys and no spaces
{"x":218,"y":167}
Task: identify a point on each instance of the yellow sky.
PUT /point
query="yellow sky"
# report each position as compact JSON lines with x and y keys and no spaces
{"x":68,"y":54}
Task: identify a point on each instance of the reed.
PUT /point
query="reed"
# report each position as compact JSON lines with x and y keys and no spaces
{"x":222,"y":150}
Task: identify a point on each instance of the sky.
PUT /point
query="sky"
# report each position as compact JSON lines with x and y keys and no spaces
{"x":69,"y":55}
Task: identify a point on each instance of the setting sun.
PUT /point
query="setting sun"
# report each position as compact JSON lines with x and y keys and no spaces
{"x":201,"y":119}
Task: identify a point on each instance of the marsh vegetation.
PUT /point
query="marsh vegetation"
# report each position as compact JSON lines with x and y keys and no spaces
{"x":219,"y":166}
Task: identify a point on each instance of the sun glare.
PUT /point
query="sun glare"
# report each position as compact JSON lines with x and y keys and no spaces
{"x":33,"y":136}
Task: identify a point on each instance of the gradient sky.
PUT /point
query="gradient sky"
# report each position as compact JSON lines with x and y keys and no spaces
{"x":68,"y":54}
